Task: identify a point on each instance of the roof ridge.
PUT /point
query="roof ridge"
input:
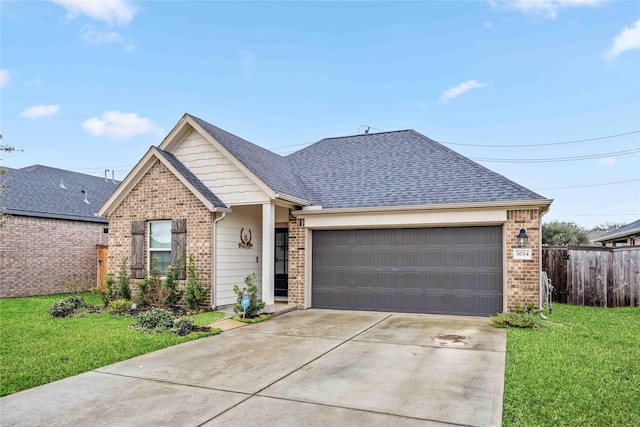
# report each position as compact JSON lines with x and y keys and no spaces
{"x":32,"y":168}
{"x":363,"y":134}
{"x":478,"y":165}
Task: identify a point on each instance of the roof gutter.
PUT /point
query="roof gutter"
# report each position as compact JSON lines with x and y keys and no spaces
{"x":543,"y":203}
{"x":292,"y":199}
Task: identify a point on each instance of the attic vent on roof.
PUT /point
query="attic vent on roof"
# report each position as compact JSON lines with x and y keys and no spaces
{"x":62,"y":183}
{"x":86,"y":194}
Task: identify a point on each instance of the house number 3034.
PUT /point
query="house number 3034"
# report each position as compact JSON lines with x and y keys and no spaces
{"x":522,"y":254}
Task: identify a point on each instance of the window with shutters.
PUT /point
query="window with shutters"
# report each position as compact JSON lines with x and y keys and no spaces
{"x":165,"y":244}
{"x":160,"y":245}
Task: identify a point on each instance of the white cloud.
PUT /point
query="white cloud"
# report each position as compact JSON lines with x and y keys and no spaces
{"x":607,"y":161}
{"x":118,"y":12}
{"x":40,"y":111}
{"x":92,"y":36}
{"x":119,"y":125}
{"x":5,"y":77}
{"x":456,"y":91}
{"x":628,"y":39}
{"x":543,"y":8}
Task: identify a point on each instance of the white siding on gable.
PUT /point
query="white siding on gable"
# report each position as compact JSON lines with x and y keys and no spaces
{"x":233,"y":264}
{"x":217,"y":172}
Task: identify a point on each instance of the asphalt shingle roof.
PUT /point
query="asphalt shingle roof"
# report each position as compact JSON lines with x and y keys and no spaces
{"x":396,"y":169}
{"x":192,"y":179}
{"x":618,"y":232}
{"x":36,"y":191}
{"x":271,"y":168}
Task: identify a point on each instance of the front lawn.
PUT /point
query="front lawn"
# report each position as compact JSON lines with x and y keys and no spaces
{"x":36,"y":348}
{"x":583,"y":372}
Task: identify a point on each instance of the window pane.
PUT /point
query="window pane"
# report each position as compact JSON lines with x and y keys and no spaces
{"x":280,"y":267}
{"x":160,"y":235}
{"x":161,"y":260}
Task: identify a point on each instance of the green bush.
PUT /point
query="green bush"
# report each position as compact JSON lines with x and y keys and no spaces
{"x":157,"y":319}
{"x":67,"y":306}
{"x":516,"y":320}
{"x":251,"y":290}
{"x":119,"y":306}
{"x":195,"y":294}
{"x":108,"y":294}
{"x":124,"y":280}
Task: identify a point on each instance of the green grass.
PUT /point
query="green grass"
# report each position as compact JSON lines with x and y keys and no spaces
{"x":583,"y":372}
{"x":206,"y":318}
{"x":36,"y":348}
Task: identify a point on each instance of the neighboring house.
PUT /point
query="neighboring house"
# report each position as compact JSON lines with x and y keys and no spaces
{"x":627,"y":235}
{"x":50,"y":243}
{"x":391,"y":221}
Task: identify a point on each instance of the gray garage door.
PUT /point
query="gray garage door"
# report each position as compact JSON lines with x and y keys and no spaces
{"x":456,"y":270}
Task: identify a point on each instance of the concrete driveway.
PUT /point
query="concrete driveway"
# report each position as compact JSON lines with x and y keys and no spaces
{"x":311,"y":368}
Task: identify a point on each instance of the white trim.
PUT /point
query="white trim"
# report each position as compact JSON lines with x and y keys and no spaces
{"x":292,"y":199}
{"x":268,"y":255}
{"x":149,"y":250}
{"x":400,"y":219}
{"x":214,"y":254}
{"x":523,"y":204}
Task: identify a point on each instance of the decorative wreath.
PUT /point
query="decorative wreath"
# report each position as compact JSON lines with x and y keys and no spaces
{"x":245,"y":240}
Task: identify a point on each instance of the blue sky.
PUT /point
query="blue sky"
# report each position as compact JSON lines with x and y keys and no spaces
{"x":88,"y":86}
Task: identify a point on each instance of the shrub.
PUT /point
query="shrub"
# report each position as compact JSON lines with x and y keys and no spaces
{"x":119,"y":306}
{"x":106,"y":295}
{"x":155,"y":292}
{"x":184,"y":326}
{"x":516,"y":320}
{"x":195,"y":294}
{"x":251,"y":290}
{"x":156,"y":319}
{"x":124,"y":281}
{"x":67,"y":306}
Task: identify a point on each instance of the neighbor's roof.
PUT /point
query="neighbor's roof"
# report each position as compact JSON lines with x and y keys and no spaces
{"x":38,"y":191}
{"x":192,"y":179}
{"x":625,"y":230}
{"x":271,"y":168}
{"x":396,"y":169}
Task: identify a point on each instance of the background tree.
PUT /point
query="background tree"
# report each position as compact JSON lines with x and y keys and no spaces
{"x":607,"y":226}
{"x":558,"y":233}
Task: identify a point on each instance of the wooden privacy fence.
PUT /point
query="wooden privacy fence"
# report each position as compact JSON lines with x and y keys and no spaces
{"x":592,"y":275}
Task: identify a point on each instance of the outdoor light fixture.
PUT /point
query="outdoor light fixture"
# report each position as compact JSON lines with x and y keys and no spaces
{"x":522,"y":238}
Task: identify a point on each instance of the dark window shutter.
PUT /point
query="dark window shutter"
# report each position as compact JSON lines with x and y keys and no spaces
{"x":179,"y":245}
{"x":137,"y":249}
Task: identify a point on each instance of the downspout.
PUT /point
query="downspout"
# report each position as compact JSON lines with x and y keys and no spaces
{"x":214,"y":247}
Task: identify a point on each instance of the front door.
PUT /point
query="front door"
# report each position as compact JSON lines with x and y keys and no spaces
{"x":282,"y":262}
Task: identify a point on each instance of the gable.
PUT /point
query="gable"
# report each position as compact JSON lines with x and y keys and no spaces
{"x":175,"y":168}
{"x":217,"y":172}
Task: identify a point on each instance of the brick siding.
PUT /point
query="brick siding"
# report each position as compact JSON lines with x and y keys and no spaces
{"x":160,"y":195}
{"x":43,"y":256}
{"x":523,"y":276}
{"x":296,"y":260}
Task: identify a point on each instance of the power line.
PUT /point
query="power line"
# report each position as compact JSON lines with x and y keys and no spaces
{"x":542,"y":145}
{"x":495,"y":145}
{"x":558,"y":159}
{"x":585,"y":186}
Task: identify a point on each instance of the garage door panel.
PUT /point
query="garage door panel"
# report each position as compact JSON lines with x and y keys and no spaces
{"x":429,"y":270}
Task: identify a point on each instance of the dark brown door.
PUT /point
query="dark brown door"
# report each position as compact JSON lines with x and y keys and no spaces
{"x":281,"y":285}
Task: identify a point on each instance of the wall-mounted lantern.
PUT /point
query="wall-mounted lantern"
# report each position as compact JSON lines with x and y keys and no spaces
{"x":522,"y":238}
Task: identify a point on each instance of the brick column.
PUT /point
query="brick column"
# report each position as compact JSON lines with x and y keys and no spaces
{"x":297,"y":244}
{"x":523,"y":276}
